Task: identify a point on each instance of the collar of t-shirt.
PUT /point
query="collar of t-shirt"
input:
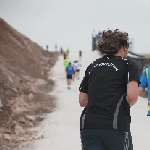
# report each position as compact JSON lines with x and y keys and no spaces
{"x":111,"y":56}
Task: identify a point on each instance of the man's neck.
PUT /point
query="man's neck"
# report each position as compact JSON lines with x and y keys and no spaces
{"x":120,"y":53}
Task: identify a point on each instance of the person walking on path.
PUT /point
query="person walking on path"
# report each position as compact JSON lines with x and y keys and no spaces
{"x":66,"y":63}
{"x":77,"y":69}
{"x":80,"y":55}
{"x":69,"y":72}
{"x":73,"y":65}
{"x":107,"y":91}
{"x":67,"y":52}
{"x":144,"y":90}
{"x":61,"y":50}
{"x":65,"y":55}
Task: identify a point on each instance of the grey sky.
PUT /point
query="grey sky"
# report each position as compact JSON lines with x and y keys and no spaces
{"x":70,"y":22}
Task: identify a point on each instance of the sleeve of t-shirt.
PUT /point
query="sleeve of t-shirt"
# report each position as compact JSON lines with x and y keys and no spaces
{"x":143,"y":80}
{"x":84,"y":84}
{"x":134,"y":73}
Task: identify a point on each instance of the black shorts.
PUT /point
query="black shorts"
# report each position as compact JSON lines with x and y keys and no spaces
{"x":106,"y":139}
{"x":69,"y":76}
{"x":77,"y":70}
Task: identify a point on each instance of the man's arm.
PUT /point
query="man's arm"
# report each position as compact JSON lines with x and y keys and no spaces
{"x":83,"y":95}
{"x":132,"y":92}
{"x":133,"y":81}
{"x":83,"y":99}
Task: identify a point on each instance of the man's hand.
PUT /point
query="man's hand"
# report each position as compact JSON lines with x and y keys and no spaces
{"x":143,"y":93}
{"x":83,"y":99}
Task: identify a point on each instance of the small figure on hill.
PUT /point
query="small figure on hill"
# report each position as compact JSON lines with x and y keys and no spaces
{"x":47,"y":47}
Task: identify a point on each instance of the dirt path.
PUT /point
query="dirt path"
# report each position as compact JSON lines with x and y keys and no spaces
{"x":61,"y":128}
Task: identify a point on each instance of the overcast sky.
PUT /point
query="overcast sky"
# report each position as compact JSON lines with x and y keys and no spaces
{"x":70,"y":23}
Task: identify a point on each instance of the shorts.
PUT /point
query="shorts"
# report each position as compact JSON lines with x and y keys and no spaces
{"x":106,"y":139}
{"x":77,"y":70}
{"x":69,"y":76}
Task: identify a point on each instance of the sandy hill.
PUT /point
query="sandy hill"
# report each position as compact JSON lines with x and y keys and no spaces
{"x":19,"y":53}
{"x":24,"y":69}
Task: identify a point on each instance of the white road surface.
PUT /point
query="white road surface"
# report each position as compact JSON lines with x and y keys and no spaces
{"x":61,"y":128}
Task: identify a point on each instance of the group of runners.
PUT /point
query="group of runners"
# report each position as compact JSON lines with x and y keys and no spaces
{"x":72,"y":69}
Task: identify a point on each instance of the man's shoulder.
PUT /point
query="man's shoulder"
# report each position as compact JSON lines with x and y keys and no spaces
{"x":132,"y":63}
{"x":97,"y":61}
{"x":91,"y":65}
{"x":129,"y":60}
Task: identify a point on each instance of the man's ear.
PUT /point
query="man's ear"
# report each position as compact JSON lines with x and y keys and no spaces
{"x":124,"y":48}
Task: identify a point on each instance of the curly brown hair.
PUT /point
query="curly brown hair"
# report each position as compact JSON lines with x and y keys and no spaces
{"x":112,"y":41}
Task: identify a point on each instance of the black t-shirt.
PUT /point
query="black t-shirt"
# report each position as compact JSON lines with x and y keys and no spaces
{"x":105,"y":82}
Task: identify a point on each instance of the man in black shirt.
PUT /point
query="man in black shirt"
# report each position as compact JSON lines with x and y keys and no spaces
{"x":107,"y":91}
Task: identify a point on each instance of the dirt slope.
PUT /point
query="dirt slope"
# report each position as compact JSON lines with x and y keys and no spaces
{"x":24,"y":69}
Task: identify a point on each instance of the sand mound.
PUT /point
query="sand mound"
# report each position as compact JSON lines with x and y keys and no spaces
{"x":24,"y":69}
